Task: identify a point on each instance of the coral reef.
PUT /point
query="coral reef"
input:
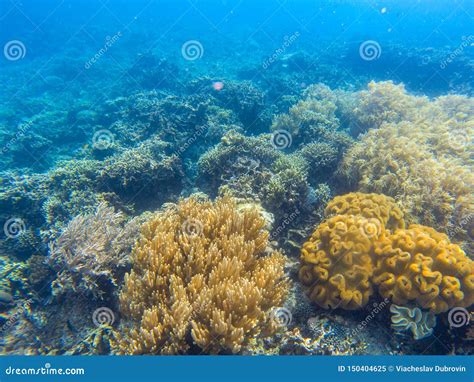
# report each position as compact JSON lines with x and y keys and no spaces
{"x":142,"y":175}
{"x":135,"y":180}
{"x":313,"y":119}
{"x":369,"y":206}
{"x":251,"y":167}
{"x":320,"y":161}
{"x":420,"y":323}
{"x":350,"y":254}
{"x":421,"y":155}
{"x":248,"y":103}
{"x":383,"y":102}
{"x":40,"y":274}
{"x":420,"y":265}
{"x":91,"y":252}
{"x":336,"y":264}
{"x":200,"y":276}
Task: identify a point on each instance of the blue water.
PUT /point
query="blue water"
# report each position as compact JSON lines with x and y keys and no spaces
{"x":123,"y":101}
{"x":59,"y":38}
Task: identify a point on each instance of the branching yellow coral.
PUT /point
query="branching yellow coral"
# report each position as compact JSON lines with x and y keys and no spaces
{"x":421,"y":265}
{"x":201,"y":272}
{"x":351,"y":253}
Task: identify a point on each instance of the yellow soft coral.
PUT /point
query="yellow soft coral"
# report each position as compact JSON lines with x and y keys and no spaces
{"x":370,"y":206}
{"x":418,"y":151}
{"x":361,"y":247}
{"x":420,"y":265}
{"x":201,"y":271}
{"x":336,"y":263}
{"x":384,"y":102}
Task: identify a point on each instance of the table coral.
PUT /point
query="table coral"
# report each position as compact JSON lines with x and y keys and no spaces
{"x":200,"y":277}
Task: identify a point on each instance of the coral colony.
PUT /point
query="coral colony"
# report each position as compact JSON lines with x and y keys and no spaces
{"x":201,"y":205}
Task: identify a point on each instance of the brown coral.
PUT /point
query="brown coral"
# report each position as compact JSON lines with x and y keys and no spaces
{"x":200,"y":271}
{"x":420,"y":265}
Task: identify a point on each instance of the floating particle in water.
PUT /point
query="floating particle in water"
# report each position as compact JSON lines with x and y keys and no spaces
{"x":218,"y":85}
{"x":383,"y":10}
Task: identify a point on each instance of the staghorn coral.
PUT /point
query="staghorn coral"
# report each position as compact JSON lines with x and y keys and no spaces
{"x":421,"y":324}
{"x":92,"y":251}
{"x":337,"y":265}
{"x":370,"y":206}
{"x":350,"y":254}
{"x":200,"y":274}
{"x":423,"y":159}
{"x":420,"y":265}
